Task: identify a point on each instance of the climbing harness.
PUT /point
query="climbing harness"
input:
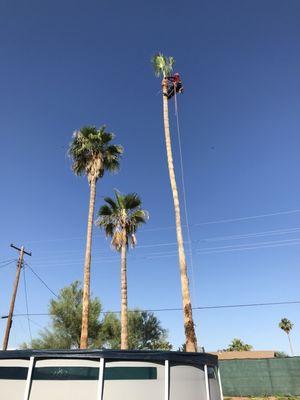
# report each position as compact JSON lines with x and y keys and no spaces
{"x":174,"y":86}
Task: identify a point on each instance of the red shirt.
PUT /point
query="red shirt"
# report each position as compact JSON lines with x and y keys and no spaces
{"x":174,"y":78}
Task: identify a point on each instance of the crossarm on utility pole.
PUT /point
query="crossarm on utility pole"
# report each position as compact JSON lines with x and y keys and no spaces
{"x":19,"y":249}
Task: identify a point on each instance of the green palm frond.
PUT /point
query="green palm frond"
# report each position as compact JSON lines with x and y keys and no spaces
{"x":111,"y":203}
{"x":132,"y":201}
{"x":92,"y":152}
{"x":121,"y":217}
{"x":163,"y":66}
{"x":105,"y":210}
{"x":140,"y":216}
{"x":112,"y":160}
{"x":286,"y":325}
{"x":109,"y":230}
{"x":120,"y":201}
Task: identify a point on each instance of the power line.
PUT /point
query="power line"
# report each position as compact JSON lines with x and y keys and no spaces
{"x":213,"y":307}
{"x":5,"y":261}
{"x":223,"y":221}
{"x":278,"y":232}
{"x":43,"y":282}
{"x":36,"y":323}
{"x":218,"y":221}
{"x":26,"y":302}
{"x":8,"y":263}
{"x":171,"y":253}
{"x":275,"y":232}
{"x":250,"y":246}
{"x":70,"y":263}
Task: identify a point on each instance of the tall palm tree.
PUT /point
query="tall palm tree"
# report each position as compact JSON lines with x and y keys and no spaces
{"x":120,"y":218}
{"x":286,"y":325}
{"x":163,"y":66}
{"x":92,"y":154}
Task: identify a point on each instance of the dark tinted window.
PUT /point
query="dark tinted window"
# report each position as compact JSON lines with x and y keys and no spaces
{"x":211,"y":372}
{"x":18,"y":373}
{"x":91,"y":373}
{"x":137,"y":373}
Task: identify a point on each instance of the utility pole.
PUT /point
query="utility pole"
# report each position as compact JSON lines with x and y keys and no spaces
{"x":14,"y":294}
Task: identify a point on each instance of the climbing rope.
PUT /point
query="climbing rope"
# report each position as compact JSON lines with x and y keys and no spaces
{"x":184,"y":196}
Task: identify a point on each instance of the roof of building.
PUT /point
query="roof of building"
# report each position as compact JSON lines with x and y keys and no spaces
{"x":231,"y":355}
{"x":197,"y":359}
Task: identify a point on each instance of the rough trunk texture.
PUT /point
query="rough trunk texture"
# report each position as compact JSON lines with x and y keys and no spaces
{"x":124,"y":317}
{"x":13,"y":299}
{"x":290,"y":342}
{"x":189,"y":329}
{"x":87,"y":268}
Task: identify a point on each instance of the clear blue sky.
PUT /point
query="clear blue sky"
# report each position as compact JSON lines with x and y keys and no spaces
{"x":65,"y":64}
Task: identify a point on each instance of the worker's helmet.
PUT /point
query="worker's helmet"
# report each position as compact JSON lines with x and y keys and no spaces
{"x":177,"y":74}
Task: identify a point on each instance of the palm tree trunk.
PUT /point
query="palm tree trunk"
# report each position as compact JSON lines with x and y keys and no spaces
{"x":290,"y":342}
{"x":124,"y":317}
{"x":189,"y":329}
{"x":87,"y":269}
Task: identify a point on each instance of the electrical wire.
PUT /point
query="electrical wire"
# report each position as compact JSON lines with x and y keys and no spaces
{"x":26,"y":302}
{"x":218,"y":221}
{"x":5,"y":261}
{"x":275,"y":232}
{"x":43,"y":282}
{"x":250,"y":246}
{"x":8,"y":263}
{"x":160,"y":255}
{"x":223,"y":221}
{"x":109,"y":255}
{"x":200,"y":308}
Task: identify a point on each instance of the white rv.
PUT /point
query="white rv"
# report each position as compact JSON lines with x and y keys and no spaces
{"x":108,"y":375}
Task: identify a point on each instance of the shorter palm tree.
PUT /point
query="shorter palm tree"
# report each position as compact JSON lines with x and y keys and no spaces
{"x":120,"y":218}
{"x":286,"y":325}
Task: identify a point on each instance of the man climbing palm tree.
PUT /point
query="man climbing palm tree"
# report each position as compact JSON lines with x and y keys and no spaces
{"x":174,"y":85}
{"x":163,"y":66}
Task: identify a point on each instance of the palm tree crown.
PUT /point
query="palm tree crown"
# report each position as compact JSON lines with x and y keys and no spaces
{"x":92,"y":152}
{"x":286,"y":325}
{"x":163,"y":66}
{"x":122,"y":215}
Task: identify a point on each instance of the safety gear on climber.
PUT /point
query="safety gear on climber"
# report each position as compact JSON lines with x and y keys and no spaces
{"x":174,"y":84}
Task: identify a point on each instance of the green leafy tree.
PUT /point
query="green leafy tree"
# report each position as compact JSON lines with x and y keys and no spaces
{"x":146,"y":332}
{"x":66,"y":313}
{"x":144,"y":329}
{"x":238,"y":345}
{"x":286,"y":325}
{"x":120,"y":218}
{"x":163,"y":67}
{"x":182,"y":348}
{"x":110,"y":333}
{"x":92,"y":154}
{"x":281,"y":354}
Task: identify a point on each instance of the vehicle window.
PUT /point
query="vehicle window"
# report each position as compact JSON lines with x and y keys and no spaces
{"x":131,"y":380}
{"x":51,"y":379}
{"x":13,"y":374}
{"x":187,"y":382}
